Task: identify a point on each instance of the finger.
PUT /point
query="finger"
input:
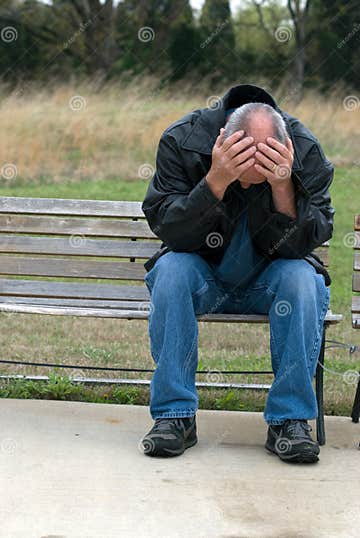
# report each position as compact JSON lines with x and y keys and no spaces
{"x":289,"y":145}
{"x":244,"y":166}
{"x":239,"y":146}
{"x":230,"y":140}
{"x":270,"y":153}
{"x":218,"y":141}
{"x":243,"y":156}
{"x":265,"y":161}
{"x":264,"y":171}
{"x":283,"y":150}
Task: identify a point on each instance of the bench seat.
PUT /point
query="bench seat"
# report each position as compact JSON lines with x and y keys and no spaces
{"x":54,"y":252}
{"x":123,"y":309}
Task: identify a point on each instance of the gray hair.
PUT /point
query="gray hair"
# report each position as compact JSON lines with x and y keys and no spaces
{"x":240,"y":119}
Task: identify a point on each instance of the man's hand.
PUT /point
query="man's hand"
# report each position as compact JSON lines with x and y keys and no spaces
{"x":230,"y":160}
{"x":276,"y":164}
{"x":275,"y":161}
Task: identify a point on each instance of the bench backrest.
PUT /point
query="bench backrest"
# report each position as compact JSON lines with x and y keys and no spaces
{"x":355,"y":308}
{"x":87,"y":240}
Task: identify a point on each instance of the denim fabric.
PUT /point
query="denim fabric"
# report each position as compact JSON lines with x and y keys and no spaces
{"x":183,"y":285}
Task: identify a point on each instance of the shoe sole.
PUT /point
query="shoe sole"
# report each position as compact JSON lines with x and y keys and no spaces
{"x":166,"y":453}
{"x":294,"y":458}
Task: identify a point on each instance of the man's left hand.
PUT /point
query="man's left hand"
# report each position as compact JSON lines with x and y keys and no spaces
{"x":275,"y":161}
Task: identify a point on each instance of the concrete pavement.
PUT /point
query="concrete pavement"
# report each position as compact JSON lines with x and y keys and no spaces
{"x":75,"y":470}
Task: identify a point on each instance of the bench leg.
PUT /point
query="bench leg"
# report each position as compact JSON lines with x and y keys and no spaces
{"x":356,"y":407}
{"x":319,"y":383}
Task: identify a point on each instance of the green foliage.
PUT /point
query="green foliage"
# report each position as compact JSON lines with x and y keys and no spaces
{"x":217,"y":399}
{"x":334,"y":33}
{"x":218,"y":55}
{"x":120,"y":39}
{"x":258,"y":49}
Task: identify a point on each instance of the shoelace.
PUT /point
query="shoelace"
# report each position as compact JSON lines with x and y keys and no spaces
{"x":298,"y":427}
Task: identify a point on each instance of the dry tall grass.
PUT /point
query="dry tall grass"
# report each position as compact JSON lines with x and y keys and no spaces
{"x":73,"y":131}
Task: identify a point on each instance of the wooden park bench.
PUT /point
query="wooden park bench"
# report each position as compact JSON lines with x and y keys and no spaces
{"x":355,"y":306}
{"x":88,"y":240}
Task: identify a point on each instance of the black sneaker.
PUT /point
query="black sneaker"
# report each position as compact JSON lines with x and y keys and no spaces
{"x":170,"y":436}
{"x":292,"y":442}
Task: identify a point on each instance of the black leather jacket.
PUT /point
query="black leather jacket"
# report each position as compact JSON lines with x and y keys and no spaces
{"x":182,"y":210}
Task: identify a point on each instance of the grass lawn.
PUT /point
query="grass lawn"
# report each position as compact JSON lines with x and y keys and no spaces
{"x":121,"y":343}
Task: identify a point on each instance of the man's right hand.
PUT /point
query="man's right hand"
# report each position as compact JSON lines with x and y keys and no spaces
{"x":230,"y":160}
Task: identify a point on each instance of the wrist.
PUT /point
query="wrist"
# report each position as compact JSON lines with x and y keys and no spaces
{"x":284,"y":185}
{"x":216,"y":188}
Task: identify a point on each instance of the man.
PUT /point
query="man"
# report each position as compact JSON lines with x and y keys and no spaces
{"x":240,"y":198}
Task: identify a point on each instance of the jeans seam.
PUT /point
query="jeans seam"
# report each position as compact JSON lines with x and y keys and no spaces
{"x":321,"y":322}
{"x":275,"y":346}
{"x":149,"y":284}
{"x":187,"y":359}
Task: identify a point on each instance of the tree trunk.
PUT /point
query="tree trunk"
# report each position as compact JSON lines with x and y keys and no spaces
{"x":299,"y":13}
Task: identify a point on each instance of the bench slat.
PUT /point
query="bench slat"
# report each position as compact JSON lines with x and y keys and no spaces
{"x":44,"y":288}
{"x":78,"y":246}
{"x":63,"y":206}
{"x":356,"y":282}
{"x":355,"y":305}
{"x":70,"y":226}
{"x":356,"y":321}
{"x":357,"y":222}
{"x":137,"y":314}
{"x":357,"y":261}
{"x":323,"y":254}
{"x":357,"y":240}
{"x":68,"y":267}
{"x":74,"y":302}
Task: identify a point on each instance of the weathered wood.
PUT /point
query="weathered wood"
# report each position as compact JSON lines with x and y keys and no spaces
{"x":323,"y":254}
{"x":88,"y":236}
{"x":355,"y":305}
{"x":78,"y":246}
{"x":69,"y":226}
{"x":357,"y":261}
{"x":45,"y":288}
{"x":63,"y":206}
{"x":357,"y":222}
{"x":81,"y":245}
{"x":255,"y":318}
{"x":356,"y":321}
{"x":135,"y":314}
{"x":357,"y":240}
{"x":72,"y":311}
{"x":78,"y":303}
{"x":356,"y":282}
{"x":70,"y":267}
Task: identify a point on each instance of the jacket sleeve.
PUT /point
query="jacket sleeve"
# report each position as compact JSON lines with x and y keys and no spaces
{"x":285,"y":237}
{"x":179,"y":213}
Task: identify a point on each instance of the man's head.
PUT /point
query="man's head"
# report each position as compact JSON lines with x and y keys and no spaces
{"x":258,"y":120}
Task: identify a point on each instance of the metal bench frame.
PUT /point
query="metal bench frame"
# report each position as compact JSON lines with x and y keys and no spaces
{"x":89,"y":240}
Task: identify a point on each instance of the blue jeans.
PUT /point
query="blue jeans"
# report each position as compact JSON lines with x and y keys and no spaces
{"x":183,"y":285}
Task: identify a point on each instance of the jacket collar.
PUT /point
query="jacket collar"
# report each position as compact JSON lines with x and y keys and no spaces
{"x":206,"y":128}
